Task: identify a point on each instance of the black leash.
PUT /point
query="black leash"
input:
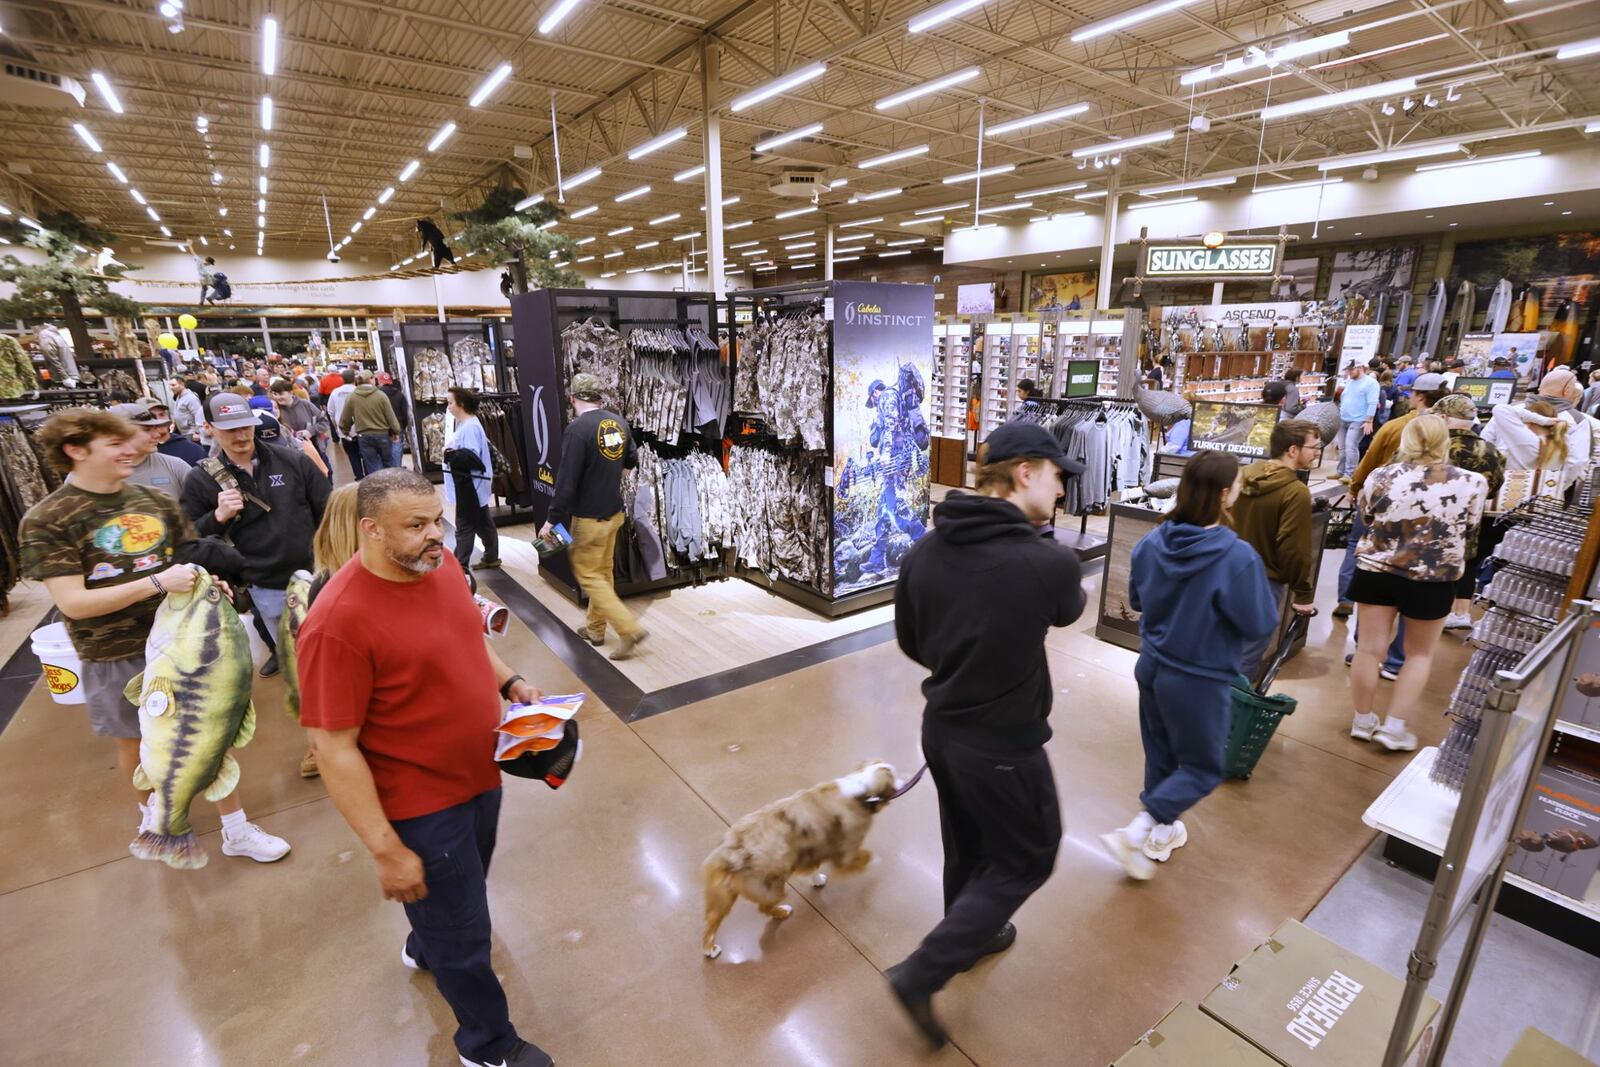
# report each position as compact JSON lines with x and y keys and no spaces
{"x":903,"y":790}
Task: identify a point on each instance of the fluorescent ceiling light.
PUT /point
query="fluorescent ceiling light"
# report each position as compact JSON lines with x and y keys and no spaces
{"x":266,"y":113}
{"x":269,"y":46}
{"x":410,"y":169}
{"x":738,"y":225}
{"x":88,"y":138}
{"x":1128,"y":18}
{"x":925,"y":218}
{"x":1061,"y":216}
{"x":261,"y":220}
{"x":891,"y":255}
{"x":974,"y":175}
{"x":166,"y":231}
{"x":1566,"y":51}
{"x":838,"y":183}
{"x":553,"y":17}
{"x":1388,"y":157}
{"x":136,"y":194}
{"x":942,"y":207}
{"x":367,"y":214}
{"x":892,"y":157}
{"x":1287,"y":186}
{"x":619,"y":231}
{"x":690,"y":174}
{"x":845,"y":259}
{"x":659,"y":142}
{"x":642,"y":245}
{"x":926,"y":88}
{"x":356,"y":227}
{"x":1051,"y":191}
{"x":584,"y":259}
{"x":633,"y":194}
{"x":383,"y":197}
{"x":26,"y":221}
{"x":585,"y":241}
{"x":1122,"y":144}
{"x":549,"y":224}
{"x":942,"y":13}
{"x":1593,"y":127}
{"x":784,"y":138}
{"x":804,"y":255}
{"x":881,"y":194}
{"x":794,"y":212}
{"x":609,"y":274}
{"x":490,"y":84}
{"x":1194,"y":183}
{"x":1396,"y":87}
{"x":754,"y":252}
{"x":525,"y":203}
{"x":743,"y":244}
{"x":1529,"y":154}
{"x":1024,"y":205}
{"x":445,"y":133}
{"x":1257,"y":57}
{"x":798,"y":245}
{"x":863,"y":222}
{"x":796,"y":236}
{"x":261,"y":205}
{"x":1001,"y":129}
{"x":261,"y":184}
{"x":152,"y":213}
{"x":1094,"y":195}
{"x":579,"y":179}
{"x":116,"y":172}
{"x":1163,"y":203}
{"x":905,"y":242}
{"x":613,"y":255}
{"x":688,"y":236}
{"x":264,"y":157}
{"x":107,"y":93}
{"x":584,"y":212}
{"x":778,"y":85}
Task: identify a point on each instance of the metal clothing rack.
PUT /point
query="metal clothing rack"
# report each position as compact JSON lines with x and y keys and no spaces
{"x":1088,"y":546}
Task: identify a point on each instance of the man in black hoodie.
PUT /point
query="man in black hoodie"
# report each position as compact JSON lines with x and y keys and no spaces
{"x":973,"y":604}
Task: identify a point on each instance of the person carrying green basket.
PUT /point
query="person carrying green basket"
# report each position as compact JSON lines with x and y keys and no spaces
{"x":1203,"y":597}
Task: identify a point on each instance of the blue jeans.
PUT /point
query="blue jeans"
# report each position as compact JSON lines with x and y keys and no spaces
{"x":1396,"y":657}
{"x":267,"y":605}
{"x":450,"y":927}
{"x":1183,"y":721}
{"x":376,"y":452}
{"x":398,"y":451}
{"x":1350,"y":435}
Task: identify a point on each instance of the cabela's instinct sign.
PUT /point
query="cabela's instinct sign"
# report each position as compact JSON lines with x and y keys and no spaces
{"x":1195,"y":260}
{"x":874,"y":315}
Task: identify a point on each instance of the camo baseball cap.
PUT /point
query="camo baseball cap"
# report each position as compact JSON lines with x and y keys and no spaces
{"x":585,"y":387}
{"x":1456,"y":406}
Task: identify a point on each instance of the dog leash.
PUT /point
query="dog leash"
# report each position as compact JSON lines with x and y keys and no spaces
{"x":903,"y":790}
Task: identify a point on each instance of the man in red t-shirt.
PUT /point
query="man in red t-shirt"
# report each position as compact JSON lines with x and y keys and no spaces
{"x":397,"y":689}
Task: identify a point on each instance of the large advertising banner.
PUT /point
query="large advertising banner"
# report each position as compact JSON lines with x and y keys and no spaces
{"x":883,"y":359}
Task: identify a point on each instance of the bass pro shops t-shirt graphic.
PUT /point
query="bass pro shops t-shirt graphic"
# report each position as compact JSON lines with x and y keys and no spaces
{"x":130,"y":534}
{"x":610,"y":439}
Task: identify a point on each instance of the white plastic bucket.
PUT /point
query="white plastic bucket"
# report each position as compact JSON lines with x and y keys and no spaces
{"x":63,"y":669}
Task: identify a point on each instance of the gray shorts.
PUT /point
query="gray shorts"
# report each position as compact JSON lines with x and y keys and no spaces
{"x":110,"y":713}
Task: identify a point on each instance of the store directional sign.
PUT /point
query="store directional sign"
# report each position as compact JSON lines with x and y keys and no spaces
{"x":1197,"y":261}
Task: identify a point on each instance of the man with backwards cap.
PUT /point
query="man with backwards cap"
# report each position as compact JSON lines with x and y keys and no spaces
{"x":973,"y":604}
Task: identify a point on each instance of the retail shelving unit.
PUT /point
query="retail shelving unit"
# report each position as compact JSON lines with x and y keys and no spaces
{"x":952,"y":377}
{"x":997,"y":383}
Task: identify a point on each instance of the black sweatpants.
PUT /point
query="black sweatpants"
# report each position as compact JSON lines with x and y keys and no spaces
{"x":1001,"y":827}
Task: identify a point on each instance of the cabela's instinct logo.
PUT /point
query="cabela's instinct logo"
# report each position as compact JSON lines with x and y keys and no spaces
{"x":1170,"y":260}
{"x":874,"y":315}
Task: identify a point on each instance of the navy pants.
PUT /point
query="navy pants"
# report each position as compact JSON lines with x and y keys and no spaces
{"x":1001,"y":827}
{"x":1183,"y":720}
{"x":450,"y":927}
{"x":352,"y":452}
{"x":377,"y":452}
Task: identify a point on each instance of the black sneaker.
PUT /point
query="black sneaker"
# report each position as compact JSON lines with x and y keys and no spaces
{"x":998,"y":943}
{"x":918,"y":1005}
{"x":522,"y":1054}
{"x":486,"y":565}
{"x":269,"y":668}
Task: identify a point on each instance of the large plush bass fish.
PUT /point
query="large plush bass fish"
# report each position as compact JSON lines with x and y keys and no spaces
{"x":296,"y":602}
{"x":194,"y":705}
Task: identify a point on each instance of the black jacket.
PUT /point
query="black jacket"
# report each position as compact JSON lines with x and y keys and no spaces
{"x":275,"y":544}
{"x":595,"y":449}
{"x":973,"y":604}
{"x":397,"y":400}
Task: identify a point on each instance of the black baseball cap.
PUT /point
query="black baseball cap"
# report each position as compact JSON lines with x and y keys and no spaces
{"x":1028,"y":440}
{"x":553,"y":766}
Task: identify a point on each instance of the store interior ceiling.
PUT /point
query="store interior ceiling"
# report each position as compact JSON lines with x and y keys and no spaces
{"x":161,"y":129}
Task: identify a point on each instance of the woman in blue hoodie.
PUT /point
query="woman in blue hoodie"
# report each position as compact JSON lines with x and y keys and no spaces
{"x":1203,"y":596}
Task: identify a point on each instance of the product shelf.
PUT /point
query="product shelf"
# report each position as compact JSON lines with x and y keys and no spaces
{"x":1588,"y":733}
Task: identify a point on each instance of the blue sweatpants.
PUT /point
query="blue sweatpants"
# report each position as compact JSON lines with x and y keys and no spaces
{"x":450,"y":926}
{"x":1183,"y":720}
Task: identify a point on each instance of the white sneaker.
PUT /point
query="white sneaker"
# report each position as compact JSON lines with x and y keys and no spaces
{"x":1131,"y":857}
{"x":256,"y":843}
{"x":1364,"y":726}
{"x":1458,"y":621}
{"x":1163,"y":839}
{"x":1388,"y":675}
{"x":1394,"y":736}
{"x":1138,"y":831}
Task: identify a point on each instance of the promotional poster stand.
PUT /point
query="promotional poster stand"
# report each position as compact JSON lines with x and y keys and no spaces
{"x":1518,"y":718}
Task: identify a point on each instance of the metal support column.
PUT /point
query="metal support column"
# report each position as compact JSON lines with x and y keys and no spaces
{"x":827,"y":263}
{"x":1108,"y":244}
{"x":710,"y":86}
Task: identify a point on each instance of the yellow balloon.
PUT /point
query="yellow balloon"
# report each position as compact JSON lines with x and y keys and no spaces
{"x":187,"y":321}
{"x":167,"y":340}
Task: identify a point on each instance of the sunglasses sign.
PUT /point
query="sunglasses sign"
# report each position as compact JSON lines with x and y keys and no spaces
{"x":1199,"y":261}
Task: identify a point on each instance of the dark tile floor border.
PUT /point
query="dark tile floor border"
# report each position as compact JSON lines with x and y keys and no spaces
{"x":18,"y":676}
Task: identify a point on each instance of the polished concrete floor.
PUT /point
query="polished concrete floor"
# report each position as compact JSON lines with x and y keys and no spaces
{"x":596,"y":892}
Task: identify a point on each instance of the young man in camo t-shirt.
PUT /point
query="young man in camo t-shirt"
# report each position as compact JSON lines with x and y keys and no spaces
{"x":108,"y":551}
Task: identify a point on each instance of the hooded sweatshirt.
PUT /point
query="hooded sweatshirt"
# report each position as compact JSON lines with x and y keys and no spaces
{"x":368,"y":411}
{"x":1203,"y":594}
{"x":973,"y":604}
{"x":1273,"y":516}
{"x":1510,"y":430}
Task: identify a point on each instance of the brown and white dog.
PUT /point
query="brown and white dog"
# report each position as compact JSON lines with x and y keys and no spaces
{"x":795,"y":835}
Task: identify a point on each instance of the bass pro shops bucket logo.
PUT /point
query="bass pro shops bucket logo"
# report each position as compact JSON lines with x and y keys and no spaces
{"x":874,"y":315}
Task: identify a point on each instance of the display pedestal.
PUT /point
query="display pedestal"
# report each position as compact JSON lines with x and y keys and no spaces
{"x":949,"y":461}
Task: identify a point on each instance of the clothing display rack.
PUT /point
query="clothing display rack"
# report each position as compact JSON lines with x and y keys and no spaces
{"x":782,"y":432}
{"x":25,"y":479}
{"x":1121,"y":462}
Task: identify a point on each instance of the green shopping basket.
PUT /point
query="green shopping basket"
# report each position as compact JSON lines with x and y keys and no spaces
{"x":1255,"y":714}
